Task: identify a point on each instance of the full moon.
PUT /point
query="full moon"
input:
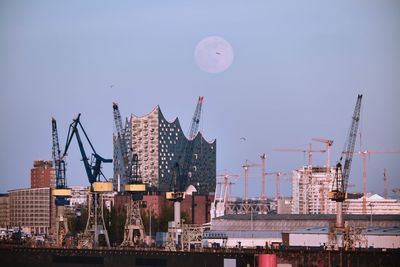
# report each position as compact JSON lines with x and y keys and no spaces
{"x":213,"y":54}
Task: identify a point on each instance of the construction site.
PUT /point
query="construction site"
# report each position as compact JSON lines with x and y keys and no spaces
{"x":166,"y":205}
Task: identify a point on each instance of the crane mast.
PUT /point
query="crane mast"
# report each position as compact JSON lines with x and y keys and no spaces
{"x":61,"y":192}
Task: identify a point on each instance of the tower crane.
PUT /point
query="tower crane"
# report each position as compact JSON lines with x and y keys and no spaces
{"x":263,"y":196}
{"x":61,"y":192}
{"x":133,"y":185}
{"x":95,"y":226}
{"x":309,"y":151}
{"x":328,"y":143}
{"x":278,"y":182}
{"x":338,"y":193}
{"x":181,"y":176}
{"x":246,"y":167}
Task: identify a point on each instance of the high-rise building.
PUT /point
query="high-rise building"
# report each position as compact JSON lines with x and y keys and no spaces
{"x":32,"y":208}
{"x":310,"y":187}
{"x":4,"y":210}
{"x":159,"y":145}
{"x":43,"y":174}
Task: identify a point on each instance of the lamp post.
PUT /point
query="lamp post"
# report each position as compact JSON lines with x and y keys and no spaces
{"x":370,"y":223}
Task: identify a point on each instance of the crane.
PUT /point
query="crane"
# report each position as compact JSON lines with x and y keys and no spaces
{"x":61,"y":192}
{"x":194,"y":128}
{"x":309,"y":151}
{"x":328,"y":143}
{"x":338,"y":193}
{"x":133,"y":185}
{"x":263,"y":196}
{"x":278,"y":182}
{"x":180,"y":176}
{"x":95,"y":226}
{"x":123,"y":153}
{"x":246,"y":167}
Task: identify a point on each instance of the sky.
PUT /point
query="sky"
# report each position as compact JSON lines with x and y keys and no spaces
{"x":297,"y":69}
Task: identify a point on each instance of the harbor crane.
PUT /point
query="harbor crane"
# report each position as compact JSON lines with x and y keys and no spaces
{"x":340,"y":184}
{"x":128,"y":163}
{"x":95,"y":227}
{"x":181,"y":175}
{"x":61,"y":192}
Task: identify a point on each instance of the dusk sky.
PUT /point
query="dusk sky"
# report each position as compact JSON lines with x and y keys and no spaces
{"x":296,"y":72}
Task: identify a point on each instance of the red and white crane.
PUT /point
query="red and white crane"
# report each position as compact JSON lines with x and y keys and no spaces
{"x":309,"y":151}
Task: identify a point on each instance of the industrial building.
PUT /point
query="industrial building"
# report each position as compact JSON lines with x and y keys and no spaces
{"x":159,"y":145}
{"x":371,"y":237}
{"x":291,"y":222}
{"x":43,"y":174}
{"x":310,"y":187}
{"x":4,"y":210}
{"x":241,"y":239}
{"x":32,"y":208}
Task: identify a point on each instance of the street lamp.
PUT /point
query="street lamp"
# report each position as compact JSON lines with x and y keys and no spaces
{"x":371,"y":205}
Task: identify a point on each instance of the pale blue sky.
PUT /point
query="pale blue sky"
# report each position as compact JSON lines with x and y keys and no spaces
{"x":298,"y":68}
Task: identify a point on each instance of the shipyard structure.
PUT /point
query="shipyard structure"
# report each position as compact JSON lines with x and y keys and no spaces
{"x":159,"y":144}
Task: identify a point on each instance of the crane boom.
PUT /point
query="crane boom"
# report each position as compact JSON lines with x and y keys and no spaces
{"x":349,"y":146}
{"x":59,"y":164}
{"x":125,"y":170}
{"x":194,"y":128}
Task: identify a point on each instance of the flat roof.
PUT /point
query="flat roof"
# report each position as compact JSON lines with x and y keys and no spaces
{"x":242,"y":234}
{"x":363,"y":217}
{"x":388,"y":230}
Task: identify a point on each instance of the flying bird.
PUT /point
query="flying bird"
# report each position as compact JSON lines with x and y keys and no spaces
{"x":242,"y":138}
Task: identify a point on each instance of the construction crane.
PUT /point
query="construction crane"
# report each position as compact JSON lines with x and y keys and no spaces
{"x":278,"y":176}
{"x":309,"y":151}
{"x":95,"y":226}
{"x":328,"y":143}
{"x":263,"y":196}
{"x":246,"y":167}
{"x":61,"y":192}
{"x":364,"y":154}
{"x":181,"y":174}
{"x":133,"y":185}
{"x":338,"y":193}
{"x":194,"y":128}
